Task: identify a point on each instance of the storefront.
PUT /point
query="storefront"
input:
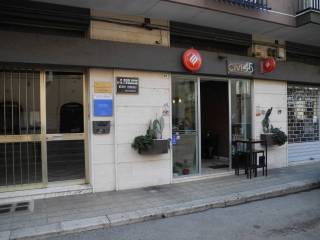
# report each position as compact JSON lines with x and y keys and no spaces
{"x":71,"y":107}
{"x":207,"y":114}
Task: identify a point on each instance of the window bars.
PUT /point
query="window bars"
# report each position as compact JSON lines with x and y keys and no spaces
{"x":253,"y":4}
{"x":308,"y":5}
{"x":20,"y":147}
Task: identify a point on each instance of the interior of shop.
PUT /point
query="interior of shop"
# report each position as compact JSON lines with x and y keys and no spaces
{"x":214,"y":127}
{"x":201,"y":144}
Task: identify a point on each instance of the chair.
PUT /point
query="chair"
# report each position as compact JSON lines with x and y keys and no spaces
{"x":211,"y":145}
{"x":250,"y":159}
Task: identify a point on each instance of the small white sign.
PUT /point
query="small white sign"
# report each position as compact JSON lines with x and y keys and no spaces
{"x":102,"y":96}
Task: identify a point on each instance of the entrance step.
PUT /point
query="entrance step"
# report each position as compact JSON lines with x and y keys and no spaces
{"x":42,"y":193}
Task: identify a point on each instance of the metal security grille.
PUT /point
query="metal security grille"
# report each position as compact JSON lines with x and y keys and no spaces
{"x":303,"y":123}
{"x":20,"y":128}
{"x":33,"y":16}
{"x":184,"y":35}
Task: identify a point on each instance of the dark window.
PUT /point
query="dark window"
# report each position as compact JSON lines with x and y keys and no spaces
{"x":29,"y":16}
{"x":303,"y":53}
{"x":209,"y":39}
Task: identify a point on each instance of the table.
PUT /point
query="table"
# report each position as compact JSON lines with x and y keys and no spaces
{"x":250,"y":155}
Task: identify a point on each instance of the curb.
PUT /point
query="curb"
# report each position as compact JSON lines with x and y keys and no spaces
{"x":107,"y":221}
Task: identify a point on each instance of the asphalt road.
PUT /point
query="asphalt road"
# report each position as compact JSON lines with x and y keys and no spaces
{"x":294,"y":217}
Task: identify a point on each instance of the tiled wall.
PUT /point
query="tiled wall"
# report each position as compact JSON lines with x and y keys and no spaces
{"x":303,"y":113}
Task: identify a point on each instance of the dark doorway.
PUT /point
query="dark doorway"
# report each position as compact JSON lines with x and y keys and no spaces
{"x":214,"y":126}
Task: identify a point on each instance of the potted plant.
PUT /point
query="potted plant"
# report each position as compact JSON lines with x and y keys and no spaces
{"x":186,"y":168}
{"x":152,"y":142}
{"x":271,"y":135}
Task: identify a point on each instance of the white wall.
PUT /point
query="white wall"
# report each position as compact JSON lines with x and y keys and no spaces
{"x":114,"y":164}
{"x":133,"y":113}
{"x":268,"y":94}
{"x":101,"y":147}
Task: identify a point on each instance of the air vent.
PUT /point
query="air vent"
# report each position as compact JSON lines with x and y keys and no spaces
{"x":16,"y":207}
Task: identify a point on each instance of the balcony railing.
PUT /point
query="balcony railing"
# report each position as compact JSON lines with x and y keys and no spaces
{"x":255,"y":4}
{"x":308,"y":5}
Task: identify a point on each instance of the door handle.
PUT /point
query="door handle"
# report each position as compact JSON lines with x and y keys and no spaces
{"x":55,"y":136}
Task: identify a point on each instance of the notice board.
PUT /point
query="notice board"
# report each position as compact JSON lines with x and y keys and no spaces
{"x":128,"y":85}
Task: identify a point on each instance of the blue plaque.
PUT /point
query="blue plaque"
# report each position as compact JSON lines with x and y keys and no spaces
{"x":103,"y":107}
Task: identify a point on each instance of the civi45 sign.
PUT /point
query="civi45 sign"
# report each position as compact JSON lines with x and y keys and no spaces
{"x":240,"y":68}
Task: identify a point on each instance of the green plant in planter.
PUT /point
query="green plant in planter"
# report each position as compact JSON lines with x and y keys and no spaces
{"x":143,"y":142}
{"x":154,"y":131}
{"x":177,"y":168}
{"x":266,"y":121}
{"x":278,"y":137}
{"x":272,"y":135}
{"x":157,"y":127}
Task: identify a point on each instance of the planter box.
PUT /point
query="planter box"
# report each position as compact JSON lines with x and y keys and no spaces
{"x":159,"y":146}
{"x":268,"y":138}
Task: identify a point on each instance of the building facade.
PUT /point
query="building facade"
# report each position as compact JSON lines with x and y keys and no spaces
{"x":79,"y":82}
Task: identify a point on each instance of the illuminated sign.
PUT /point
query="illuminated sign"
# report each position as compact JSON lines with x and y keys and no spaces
{"x":240,"y":68}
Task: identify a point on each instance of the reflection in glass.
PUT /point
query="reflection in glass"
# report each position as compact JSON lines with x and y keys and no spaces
{"x":64,"y":94}
{"x":65,"y":160}
{"x":240,"y":112}
{"x":241,"y":109}
{"x":64,"y":102}
{"x":184,"y":125}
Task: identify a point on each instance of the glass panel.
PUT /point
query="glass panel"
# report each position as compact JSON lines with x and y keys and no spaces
{"x":64,"y":102}
{"x":19,"y":102}
{"x":240,"y":111}
{"x":66,"y":160}
{"x":20,"y":163}
{"x":184,"y":125}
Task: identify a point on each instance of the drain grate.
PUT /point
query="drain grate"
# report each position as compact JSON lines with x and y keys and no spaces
{"x":16,"y":207}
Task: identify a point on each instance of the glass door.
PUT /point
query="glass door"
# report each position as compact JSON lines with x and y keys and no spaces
{"x":241,"y":109}
{"x":240,"y":96}
{"x":65,"y":133}
{"x":185,"y":131}
{"x":42,"y":128}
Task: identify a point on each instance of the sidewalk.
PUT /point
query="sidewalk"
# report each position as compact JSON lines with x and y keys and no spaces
{"x":69,"y":214}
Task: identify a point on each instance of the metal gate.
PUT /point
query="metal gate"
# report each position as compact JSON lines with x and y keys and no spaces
{"x":24,"y":135}
{"x":303,"y":123}
{"x":20,"y":133}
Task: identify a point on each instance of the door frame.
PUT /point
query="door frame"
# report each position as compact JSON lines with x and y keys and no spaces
{"x":214,"y":79}
{"x":43,"y":137}
{"x":68,"y":136}
{"x":198,"y":120}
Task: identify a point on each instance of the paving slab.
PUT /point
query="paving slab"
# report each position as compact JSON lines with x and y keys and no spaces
{"x":4,"y":235}
{"x":70,"y":214}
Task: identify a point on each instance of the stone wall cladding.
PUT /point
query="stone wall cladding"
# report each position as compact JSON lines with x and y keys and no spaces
{"x":303,"y":113}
